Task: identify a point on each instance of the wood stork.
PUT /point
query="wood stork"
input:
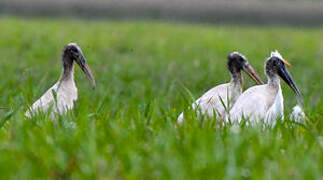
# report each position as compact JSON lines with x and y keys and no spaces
{"x":61,"y":96}
{"x":265,"y":102}
{"x":210,"y":102}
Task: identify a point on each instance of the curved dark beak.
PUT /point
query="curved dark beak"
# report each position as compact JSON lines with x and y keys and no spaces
{"x":86,"y":69}
{"x":252,"y":73}
{"x":284,"y":74}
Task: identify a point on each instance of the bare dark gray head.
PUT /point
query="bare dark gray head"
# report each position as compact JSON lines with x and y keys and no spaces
{"x":72,"y":52}
{"x":276,"y":65}
{"x":238,"y":62}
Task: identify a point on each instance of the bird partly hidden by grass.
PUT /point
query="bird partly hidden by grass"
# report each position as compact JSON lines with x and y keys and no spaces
{"x":61,"y":96}
{"x":216,"y":100}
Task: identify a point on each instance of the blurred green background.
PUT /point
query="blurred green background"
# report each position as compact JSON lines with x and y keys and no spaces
{"x":145,"y":68}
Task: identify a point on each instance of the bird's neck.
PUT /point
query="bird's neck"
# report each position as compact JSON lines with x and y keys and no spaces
{"x":236,"y":78}
{"x":274,"y":81}
{"x":68,"y":69}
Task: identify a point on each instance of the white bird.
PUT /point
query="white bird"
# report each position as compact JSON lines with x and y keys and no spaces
{"x":265,"y":102}
{"x":62,"y":95}
{"x":210,"y":102}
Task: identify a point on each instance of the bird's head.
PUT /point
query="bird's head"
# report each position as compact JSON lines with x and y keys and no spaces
{"x":276,"y":65}
{"x":74,"y":53}
{"x":238,"y":62}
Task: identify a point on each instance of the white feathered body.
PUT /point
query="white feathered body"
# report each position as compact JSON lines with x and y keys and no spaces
{"x":66,"y":95}
{"x":259,"y":103}
{"x":210,"y":102}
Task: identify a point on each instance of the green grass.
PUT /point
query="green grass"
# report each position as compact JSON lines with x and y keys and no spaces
{"x":125,"y":129}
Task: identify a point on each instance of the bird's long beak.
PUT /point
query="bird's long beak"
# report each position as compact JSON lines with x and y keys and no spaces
{"x":81,"y":61}
{"x":284,"y":74}
{"x":252,"y":73}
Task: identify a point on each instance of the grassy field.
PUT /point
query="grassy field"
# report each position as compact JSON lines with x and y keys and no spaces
{"x":125,"y":129}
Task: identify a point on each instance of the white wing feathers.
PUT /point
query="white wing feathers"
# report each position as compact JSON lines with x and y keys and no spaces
{"x":210,"y":102}
{"x":66,"y":94}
